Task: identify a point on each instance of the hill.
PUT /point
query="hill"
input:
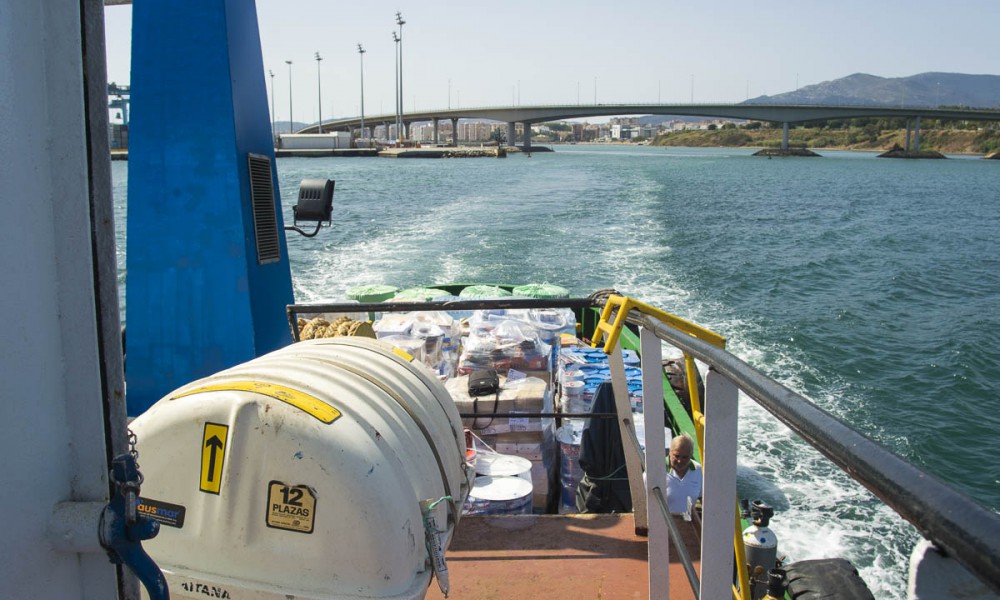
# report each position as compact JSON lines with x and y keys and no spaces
{"x":925,"y":89}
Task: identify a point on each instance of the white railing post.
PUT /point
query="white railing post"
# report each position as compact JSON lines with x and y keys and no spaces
{"x":658,"y":542}
{"x":719,"y":486}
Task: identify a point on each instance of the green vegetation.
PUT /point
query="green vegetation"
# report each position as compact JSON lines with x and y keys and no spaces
{"x":948,"y":136}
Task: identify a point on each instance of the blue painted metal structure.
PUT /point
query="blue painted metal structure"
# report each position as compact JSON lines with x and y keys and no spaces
{"x":198,"y":301}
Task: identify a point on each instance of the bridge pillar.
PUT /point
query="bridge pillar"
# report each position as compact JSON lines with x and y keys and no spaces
{"x":385,"y":127}
{"x":909,"y":124}
{"x":526,"y":134}
{"x":916,"y":135}
{"x":454,"y":131}
{"x":784,"y":135}
{"x":511,"y":134}
{"x":436,"y":133}
{"x":406,"y":130}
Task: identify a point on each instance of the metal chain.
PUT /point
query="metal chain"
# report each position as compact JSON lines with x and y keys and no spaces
{"x":132,"y":439}
{"x":131,"y":444}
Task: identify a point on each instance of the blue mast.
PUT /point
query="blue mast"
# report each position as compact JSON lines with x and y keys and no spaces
{"x":208,"y":274}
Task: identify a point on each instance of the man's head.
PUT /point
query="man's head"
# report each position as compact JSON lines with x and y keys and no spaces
{"x":681,"y":450}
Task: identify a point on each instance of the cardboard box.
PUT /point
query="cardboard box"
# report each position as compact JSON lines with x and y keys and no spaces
{"x":530,"y":395}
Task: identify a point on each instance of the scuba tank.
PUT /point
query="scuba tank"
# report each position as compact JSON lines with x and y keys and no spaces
{"x":761,"y":545}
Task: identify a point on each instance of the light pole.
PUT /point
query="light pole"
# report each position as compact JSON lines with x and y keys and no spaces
{"x":290,"y":119}
{"x":319,"y":92}
{"x":361,"y":53}
{"x":400,"y":22}
{"x":395,"y":75}
{"x":273,"y":107}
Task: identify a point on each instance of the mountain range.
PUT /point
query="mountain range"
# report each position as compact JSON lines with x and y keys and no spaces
{"x":925,"y":89}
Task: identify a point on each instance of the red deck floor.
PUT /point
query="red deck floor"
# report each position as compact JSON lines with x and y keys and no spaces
{"x":555,"y":557}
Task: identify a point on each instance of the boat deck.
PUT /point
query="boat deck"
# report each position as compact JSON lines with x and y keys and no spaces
{"x":556,"y":556}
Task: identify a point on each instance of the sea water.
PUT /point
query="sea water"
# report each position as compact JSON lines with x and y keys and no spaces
{"x":870,"y":285}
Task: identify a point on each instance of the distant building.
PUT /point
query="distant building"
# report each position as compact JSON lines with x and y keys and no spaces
{"x":118,"y":115}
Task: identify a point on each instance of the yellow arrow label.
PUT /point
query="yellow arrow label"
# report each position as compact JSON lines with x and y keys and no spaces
{"x":213,"y":455}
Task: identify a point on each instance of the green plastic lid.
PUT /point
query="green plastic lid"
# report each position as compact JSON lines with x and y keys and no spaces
{"x":483,"y":291}
{"x":372,"y":293}
{"x":541,"y":290}
{"x":420,"y":294}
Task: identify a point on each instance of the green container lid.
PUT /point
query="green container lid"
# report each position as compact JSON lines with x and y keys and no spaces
{"x":372,"y":293}
{"x":420,"y":294}
{"x":483,"y":291}
{"x":541,"y":291}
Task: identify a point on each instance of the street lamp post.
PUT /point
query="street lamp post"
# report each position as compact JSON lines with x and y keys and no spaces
{"x":273,"y":107}
{"x":395,"y":75}
{"x":290,"y":119}
{"x":400,"y":22}
{"x":319,"y":91}
{"x":361,"y":53}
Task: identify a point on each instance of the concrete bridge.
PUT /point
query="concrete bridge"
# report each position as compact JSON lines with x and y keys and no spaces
{"x":786,"y":114}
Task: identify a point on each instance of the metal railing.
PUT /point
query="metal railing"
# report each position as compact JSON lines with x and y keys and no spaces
{"x":962,"y":528}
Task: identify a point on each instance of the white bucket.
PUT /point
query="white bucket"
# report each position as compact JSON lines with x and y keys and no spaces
{"x":499,"y":496}
{"x":573,"y":388}
{"x":494,"y":464}
{"x":570,"y":439}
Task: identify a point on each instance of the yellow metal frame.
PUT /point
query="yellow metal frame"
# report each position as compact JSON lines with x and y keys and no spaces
{"x":611,"y":330}
{"x":626,"y":305}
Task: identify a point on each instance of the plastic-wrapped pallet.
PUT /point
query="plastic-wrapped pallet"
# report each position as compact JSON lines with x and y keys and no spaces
{"x":431,"y":337}
{"x":503,"y":345}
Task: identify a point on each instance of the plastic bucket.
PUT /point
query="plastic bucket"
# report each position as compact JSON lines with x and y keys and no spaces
{"x":573,"y":388}
{"x":494,"y":464}
{"x":499,"y":496}
{"x":570,"y":471}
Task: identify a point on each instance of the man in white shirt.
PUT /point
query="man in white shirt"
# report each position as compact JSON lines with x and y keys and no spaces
{"x":684,"y":477}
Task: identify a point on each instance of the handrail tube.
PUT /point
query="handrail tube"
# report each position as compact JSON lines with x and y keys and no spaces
{"x":955,"y":523}
{"x":293,"y":310}
{"x":675,"y":535}
{"x":537,"y":415}
{"x":508,"y":302}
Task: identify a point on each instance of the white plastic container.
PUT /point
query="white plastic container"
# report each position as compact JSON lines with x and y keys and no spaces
{"x":300,"y":474}
{"x":494,"y":464}
{"x":499,"y":495}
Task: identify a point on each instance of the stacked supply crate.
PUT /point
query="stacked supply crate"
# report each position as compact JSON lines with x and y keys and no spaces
{"x":498,"y":427}
{"x":521,"y":345}
{"x":580,"y":370}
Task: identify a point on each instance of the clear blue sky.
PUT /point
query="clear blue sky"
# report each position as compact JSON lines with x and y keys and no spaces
{"x":546,"y":52}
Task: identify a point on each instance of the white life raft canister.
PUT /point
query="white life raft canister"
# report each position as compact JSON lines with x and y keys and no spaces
{"x":301,"y":473}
